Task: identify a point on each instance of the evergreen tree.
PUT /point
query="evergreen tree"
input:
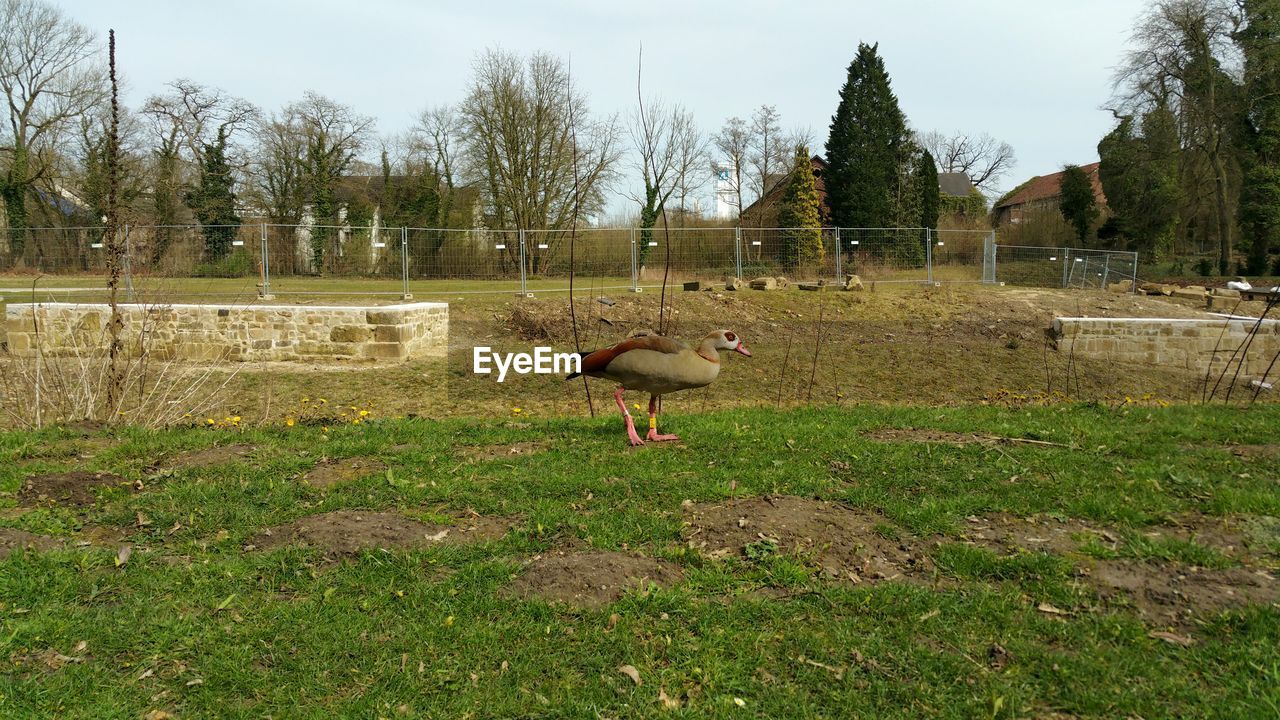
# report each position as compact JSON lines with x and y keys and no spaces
{"x":864,"y":148}
{"x":213,"y":200}
{"x":926,"y":181}
{"x":1260,"y":191}
{"x":800,"y":214}
{"x":1077,"y":202}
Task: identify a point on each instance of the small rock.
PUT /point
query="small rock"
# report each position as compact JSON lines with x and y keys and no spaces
{"x":852,"y":282}
{"x":764,"y":283}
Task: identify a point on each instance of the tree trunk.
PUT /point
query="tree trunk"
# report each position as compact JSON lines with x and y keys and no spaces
{"x":1223,"y":214}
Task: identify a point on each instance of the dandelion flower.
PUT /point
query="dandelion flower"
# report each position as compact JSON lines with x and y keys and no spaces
{"x":516,"y":411}
{"x":210,"y":421}
{"x":323,"y":401}
{"x":364,"y":413}
{"x":288,"y":422}
{"x":306,"y":400}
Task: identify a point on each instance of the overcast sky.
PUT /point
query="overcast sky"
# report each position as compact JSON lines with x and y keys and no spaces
{"x":1034,"y":74}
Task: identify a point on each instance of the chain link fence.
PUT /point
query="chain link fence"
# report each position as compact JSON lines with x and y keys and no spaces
{"x":1063,"y":267}
{"x":267,"y":259}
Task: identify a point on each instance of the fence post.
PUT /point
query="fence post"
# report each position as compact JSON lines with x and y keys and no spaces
{"x":988,"y":259}
{"x":1106,"y":269}
{"x":839,"y":255}
{"x":737,"y":252}
{"x":524,"y":287}
{"x":404,"y":264}
{"x":1066,"y":263}
{"x":928,"y":255}
{"x":635,"y":270}
{"x":1133,"y":286}
{"x":128,"y":266}
{"x":264,"y":265}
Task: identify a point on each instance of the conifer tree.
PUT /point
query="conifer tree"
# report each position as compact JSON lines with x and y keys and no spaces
{"x":865,"y":145}
{"x":800,"y":214}
{"x":1260,"y":191}
{"x":1077,"y":201}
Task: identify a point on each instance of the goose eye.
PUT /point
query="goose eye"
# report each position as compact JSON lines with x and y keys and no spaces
{"x":730,"y":337}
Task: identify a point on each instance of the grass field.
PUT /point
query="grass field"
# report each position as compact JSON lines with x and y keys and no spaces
{"x":1073,"y":561}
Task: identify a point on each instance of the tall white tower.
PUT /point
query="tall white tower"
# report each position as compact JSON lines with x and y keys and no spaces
{"x":726,"y":193}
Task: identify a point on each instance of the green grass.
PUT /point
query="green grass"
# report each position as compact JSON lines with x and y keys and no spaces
{"x":196,"y":626}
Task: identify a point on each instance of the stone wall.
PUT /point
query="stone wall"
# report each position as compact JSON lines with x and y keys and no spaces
{"x":235,"y":332}
{"x":1191,"y":344}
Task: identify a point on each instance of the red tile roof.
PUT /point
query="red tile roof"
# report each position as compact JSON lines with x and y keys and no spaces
{"x":1047,"y":187}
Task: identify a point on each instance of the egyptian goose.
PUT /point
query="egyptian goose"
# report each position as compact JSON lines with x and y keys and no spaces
{"x":658,"y":365}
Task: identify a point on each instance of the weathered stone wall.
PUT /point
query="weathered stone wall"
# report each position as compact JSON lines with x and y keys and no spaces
{"x":1191,"y":344}
{"x":233,"y":332}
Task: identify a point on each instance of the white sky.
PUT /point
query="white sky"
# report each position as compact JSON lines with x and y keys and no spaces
{"x":1029,"y":72}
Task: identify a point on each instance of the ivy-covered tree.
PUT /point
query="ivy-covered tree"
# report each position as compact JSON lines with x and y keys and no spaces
{"x":1260,"y":191}
{"x":1077,"y":202}
{"x":865,"y":146}
{"x":214,"y":201}
{"x":1140,"y":177}
{"x":800,"y":213}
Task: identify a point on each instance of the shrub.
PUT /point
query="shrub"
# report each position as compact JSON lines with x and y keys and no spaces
{"x":237,"y":264}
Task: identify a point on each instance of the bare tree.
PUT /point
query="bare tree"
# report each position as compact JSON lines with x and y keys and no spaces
{"x":983,"y":158}
{"x":49,"y":79}
{"x":520,"y":120}
{"x":732,"y":144}
{"x":768,"y":151}
{"x":692,"y":158}
{"x":1183,"y":53}
{"x":665,"y":140}
{"x":439,"y":133}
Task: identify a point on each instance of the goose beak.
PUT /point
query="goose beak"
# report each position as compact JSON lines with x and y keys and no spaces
{"x":742,"y":348}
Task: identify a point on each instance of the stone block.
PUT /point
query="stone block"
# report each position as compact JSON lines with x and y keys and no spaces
{"x":852,"y":282}
{"x":812,"y":287}
{"x":385,"y":351}
{"x":764,"y":283}
{"x":392,"y":333}
{"x":733,"y":283}
{"x":350,"y":334}
{"x":696,"y":286}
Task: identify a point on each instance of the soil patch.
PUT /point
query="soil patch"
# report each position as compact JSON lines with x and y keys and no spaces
{"x":1174,"y":594}
{"x":68,"y":488}
{"x":347,"y":532}
{"x":843,"y":541}
{"x":592,"y":579}
{"x":946,"y":437}
{"x":1255,"y":451}
{"x":12,"y":541}
{"x":208,"y":456}
{"x":334,"y":472}
{"x":503,"y":452}
{"x":1009,"y":533}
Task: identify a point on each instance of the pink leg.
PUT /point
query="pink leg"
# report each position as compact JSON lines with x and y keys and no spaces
{"x":653,"y":435}
{"x":631,"y":427}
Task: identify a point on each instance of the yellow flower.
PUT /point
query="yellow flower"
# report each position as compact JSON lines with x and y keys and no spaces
{"x":288,"y":422}
{"x":209,"y":421}
{"x":306,"y":400}
{"x":364,"y":413}
{"x":516,"y":411}
{"x":635,"y":405}
{"x":356,"y":421}
{"x":323,"y":401}
{"x":235,"y":419}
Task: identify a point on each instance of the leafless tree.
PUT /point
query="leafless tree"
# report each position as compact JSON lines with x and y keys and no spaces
{"x":50,"y":75}
{"x":189,"y":116}
{"x":692,"y":158}
{"x":769,"y":153}
{"x":732,"y":146}
{"x":520,"y":119}
{"x":983,"y":158}
{"x":665,"y":139}
{"x":1183,"y":53}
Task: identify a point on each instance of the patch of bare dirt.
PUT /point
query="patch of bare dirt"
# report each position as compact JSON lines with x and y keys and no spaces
{"x":78,"y":488}
{"x":207,"y":457}
{"x":12,"y":541}
{"x":347,"y":532}
{"x":591,"y":579}
{"x":1174,"y":594}
{"x":946,"y":437}
{"x":525,"y":448}
{"x":1255,"y":451}
{"x":1005,"y":532}
{"x":337,"y":471}
{"x":842,"y":540}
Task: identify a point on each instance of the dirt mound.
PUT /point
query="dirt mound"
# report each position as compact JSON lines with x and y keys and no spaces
{"x":208,"y":456}
{"x":12,"y":541}
{"x":1173,"y":594}
{"x":346,"y":532}
{"x":502,"y":452}
{"x":68,"y":488}
{"x":592,"y":579}
{"x":846,"y":543}
{"x":334,"y":472}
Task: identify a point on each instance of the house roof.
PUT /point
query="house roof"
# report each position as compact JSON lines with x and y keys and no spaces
{"x":1048,"y":187}
{"x":779,"y":187}
{"x":956,"y":184}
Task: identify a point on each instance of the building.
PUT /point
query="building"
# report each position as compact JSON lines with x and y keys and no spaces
{"x":1040,"y":193}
